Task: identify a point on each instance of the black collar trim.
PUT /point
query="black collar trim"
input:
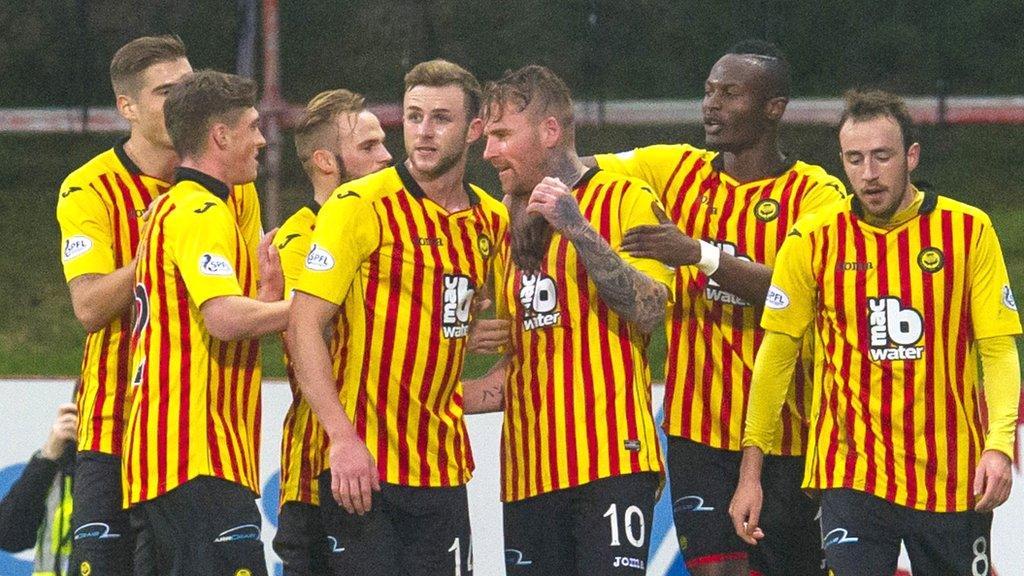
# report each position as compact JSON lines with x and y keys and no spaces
{"x":587,"y":176}
{"x":718,"y":165}
{"x":313,"y":206}
{"x":216,"y":187}
{"x":928,"y":204}
{"x":122,"y":155}
{"x":413,"y":187}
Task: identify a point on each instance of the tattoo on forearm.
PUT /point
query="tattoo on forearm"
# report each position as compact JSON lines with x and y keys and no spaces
{"x":624,"y":289}
{"x":493,"y":395}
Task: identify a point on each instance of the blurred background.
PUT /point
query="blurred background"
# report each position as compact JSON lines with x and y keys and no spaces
{"x":964,"y":61}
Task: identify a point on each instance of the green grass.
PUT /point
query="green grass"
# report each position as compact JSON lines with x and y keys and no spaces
{"x":39,"y":335}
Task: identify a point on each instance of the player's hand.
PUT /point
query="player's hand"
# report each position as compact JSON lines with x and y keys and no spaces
{"x":63,"y":433}
{"x":353,"y":475}
{"x":553,"y":200}
{"x":664,"y":242}
{"x":271,"y":287}
{"x":489,"y":335}
{"x":993,"y":479}
{"x":745,"y":511}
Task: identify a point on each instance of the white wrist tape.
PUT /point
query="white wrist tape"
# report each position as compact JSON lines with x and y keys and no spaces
{"x":710,"y":258}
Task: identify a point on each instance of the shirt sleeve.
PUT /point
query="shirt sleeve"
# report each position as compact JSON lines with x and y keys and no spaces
{"x":643,"y":163}
{"x":1000,"y":365}
{"x":205,"y":250}
{"x":790,"y":304}
{"x":292,"y":244}
{"x":773,"y":372}
{"x":824,"y":193}
{"x":639,"y":208}
{"x":87,"y":245}
{"x":347,"y":232}
{"x":993,"y":309}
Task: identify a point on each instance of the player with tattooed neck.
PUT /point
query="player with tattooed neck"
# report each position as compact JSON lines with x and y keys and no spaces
{"x":579,"y":446}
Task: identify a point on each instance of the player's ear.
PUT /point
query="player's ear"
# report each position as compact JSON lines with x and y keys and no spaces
{"x":476,"y":129}
{"x":550,"y":132}
{"x":126,"y":108}
{"x":913,"y":156}
{"x":220,"y":135}
{"x":775,"y":107}
{"x":324,"y":161}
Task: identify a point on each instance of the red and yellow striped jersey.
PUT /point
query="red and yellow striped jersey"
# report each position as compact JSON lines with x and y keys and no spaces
{"x":404,"y":271}
{"x":896,"y":315}
{"x":713,"y":335}
{"x":578,"y":394}
{"x":99,"y":209}
{"x":196,"y":404}
{"x":303,"y":439}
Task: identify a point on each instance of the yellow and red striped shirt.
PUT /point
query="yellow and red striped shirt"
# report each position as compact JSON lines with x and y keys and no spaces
{"x":404,"y":271}
{"x":99,"y":209}
{"x":578,"y":394}
{"x":303,"y":439}
{"x":896,"y":314}
{"x":196,"y":405}
{"x":713,"y":335}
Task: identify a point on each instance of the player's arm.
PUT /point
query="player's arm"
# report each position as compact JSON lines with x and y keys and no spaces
{"x":98,"y":299}
{"x":666,"y":243}
{"x":353,"y":470}
{"x":486,"y":393}
{"x":995,"y":321}
{"x":1000,"y":365}
{"x":773,"y":372}
{"x":231,"y":318}
{"x":630,"y":293}
{"x":235,"y":317}
{"x":99,"y":292}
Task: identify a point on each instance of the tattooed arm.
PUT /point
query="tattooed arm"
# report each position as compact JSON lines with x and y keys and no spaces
{"x":486,"y":393}
{"x":627,"y":291}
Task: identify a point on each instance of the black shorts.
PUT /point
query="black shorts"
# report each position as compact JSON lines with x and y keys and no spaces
{"x":300,"y":540}
{"x":703,"y":480}
{"x":205,"y":527}
{"x":101,"y":532}
{"x":602,"y":527}
{"x":861,"y":534}
{"x":409,"y":531}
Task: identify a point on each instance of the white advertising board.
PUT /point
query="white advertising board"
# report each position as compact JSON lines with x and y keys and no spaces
{"x":28,"y":408}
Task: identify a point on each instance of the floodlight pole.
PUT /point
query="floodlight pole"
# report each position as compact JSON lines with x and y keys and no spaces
{"x":271,"y":108}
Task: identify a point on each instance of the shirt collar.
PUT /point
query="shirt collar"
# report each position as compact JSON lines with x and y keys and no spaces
{"x":216,"y":187}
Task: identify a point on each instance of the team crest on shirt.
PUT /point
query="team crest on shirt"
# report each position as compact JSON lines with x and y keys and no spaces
{"x":483,"y":244}
{"x":456,"y":303}
{"x":539,"y":297}
{"x":75,"y":246}
{"x":318,"y":259}
{"x":931,"y":260}
{"x":215,"y":265}
{"x":894,"y":330}
{"x":1008,"y":300}
{"x":766,"y":209}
